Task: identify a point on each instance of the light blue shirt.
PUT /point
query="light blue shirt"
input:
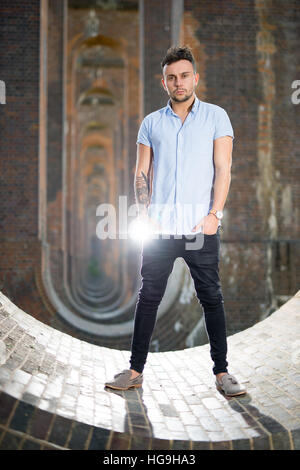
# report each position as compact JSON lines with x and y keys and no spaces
{"x":183,"y":166}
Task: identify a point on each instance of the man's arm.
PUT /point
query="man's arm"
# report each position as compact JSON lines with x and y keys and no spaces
{"x":222,"y":161}
{"x":142,"y":179}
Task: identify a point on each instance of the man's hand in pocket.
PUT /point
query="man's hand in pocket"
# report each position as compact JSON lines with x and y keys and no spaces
{"x":209,"y":225}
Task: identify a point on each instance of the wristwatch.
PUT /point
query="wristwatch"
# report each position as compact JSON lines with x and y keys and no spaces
{"x":218,"y":214}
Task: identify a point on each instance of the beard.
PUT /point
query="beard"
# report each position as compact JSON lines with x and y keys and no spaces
{"x":181,"y":98}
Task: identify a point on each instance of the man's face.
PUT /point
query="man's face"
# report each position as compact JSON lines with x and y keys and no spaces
{"x":180,"y":80}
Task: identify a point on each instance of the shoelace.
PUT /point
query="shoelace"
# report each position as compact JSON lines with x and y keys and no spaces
{"x":233,"y":380}
{"x":121,"y":373}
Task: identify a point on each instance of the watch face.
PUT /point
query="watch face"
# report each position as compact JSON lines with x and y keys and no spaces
{"x":219,"y":214}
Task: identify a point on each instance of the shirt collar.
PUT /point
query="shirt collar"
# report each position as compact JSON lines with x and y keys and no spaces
{"x":193,"y":110}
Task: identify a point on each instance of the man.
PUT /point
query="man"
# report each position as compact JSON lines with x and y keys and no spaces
{"x":189,"y":142}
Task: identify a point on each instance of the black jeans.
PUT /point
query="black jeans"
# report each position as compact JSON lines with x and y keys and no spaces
{"x":158,"y":258}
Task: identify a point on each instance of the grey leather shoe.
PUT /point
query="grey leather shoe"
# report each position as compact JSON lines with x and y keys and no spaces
{"x":122,"y":381}
{"x":229,"y":386}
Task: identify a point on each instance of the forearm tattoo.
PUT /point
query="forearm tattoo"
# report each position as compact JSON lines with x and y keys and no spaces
{"x":142,"y":190}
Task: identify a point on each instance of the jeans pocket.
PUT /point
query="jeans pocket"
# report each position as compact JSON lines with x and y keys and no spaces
{"x":213,"y":234}
{"x":211,"y":247}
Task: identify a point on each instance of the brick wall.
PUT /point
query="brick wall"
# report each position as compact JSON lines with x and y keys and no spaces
{"x":247,"y":59}
{"x":19,"y":136}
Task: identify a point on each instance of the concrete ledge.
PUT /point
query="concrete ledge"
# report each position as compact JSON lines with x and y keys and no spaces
{"x":52,"y":391}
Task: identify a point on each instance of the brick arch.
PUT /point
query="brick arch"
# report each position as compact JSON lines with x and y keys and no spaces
{"x":105,"y":144}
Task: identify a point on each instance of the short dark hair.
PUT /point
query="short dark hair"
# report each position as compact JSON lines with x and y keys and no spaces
{"x":176,"y":53}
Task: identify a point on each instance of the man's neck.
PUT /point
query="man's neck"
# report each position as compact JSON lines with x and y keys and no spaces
{"x":184,"y":107}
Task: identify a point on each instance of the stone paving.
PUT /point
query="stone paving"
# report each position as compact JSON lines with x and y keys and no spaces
{"x":52,"y":393}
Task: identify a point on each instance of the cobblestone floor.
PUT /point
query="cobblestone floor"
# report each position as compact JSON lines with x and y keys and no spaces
{"x":52,"y":392}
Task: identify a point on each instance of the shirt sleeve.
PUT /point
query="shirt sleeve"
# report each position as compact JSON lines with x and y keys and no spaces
{"x":223,"y":125}
{"x":143,"y":134}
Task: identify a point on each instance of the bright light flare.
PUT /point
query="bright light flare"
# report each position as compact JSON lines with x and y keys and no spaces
{"x":140,"y":229}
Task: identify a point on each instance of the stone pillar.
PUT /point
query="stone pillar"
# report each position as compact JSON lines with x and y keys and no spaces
{"x":160,"y":24}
